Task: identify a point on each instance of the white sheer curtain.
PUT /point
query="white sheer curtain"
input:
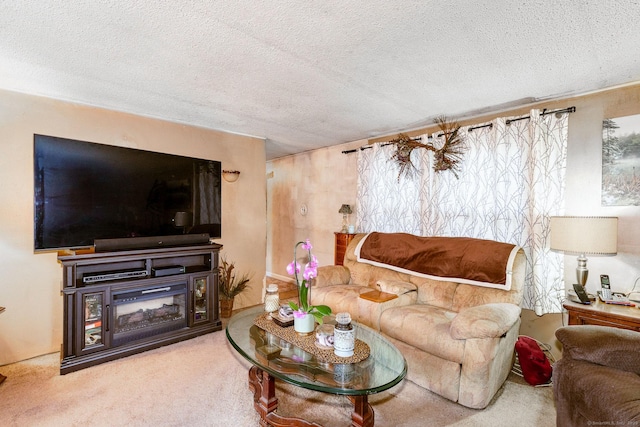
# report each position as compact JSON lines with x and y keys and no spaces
{"x":390,"y":202}
{"x":511,"y":180}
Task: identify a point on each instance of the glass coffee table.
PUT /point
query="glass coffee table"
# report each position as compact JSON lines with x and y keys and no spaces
{"x":275,"y":358}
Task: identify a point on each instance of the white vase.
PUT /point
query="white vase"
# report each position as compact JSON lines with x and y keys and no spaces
{"x":304,"y":325}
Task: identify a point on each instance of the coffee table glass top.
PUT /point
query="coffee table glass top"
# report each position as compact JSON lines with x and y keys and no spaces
{"x":384,"y":368}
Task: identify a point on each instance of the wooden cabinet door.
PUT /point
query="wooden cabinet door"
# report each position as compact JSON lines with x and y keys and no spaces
{"x":342,"y":241}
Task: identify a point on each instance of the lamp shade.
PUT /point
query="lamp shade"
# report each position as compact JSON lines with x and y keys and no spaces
{"x":231,"y":176}
{"x":345,"y":209}
{"x":584,"y":234}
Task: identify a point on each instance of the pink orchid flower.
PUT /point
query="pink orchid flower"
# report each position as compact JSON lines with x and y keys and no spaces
{"x":304,"y":288}
{"x":313,"y":263}
{"x":309,"y":273}
{"x":307,"y":245}
{"x":299,"y":314}
{"x":293,"y":268}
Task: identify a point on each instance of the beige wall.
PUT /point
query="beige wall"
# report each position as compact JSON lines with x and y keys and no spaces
{"x":30,"y":283}
{"x":326,"y":178}
{"x":322,"y":181}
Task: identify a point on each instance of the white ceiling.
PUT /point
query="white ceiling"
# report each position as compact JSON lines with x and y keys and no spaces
{"x":310,"y":73}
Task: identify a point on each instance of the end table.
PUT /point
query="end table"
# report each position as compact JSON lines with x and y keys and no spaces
{"x":599,"y":313}
{"x":342,"y":241}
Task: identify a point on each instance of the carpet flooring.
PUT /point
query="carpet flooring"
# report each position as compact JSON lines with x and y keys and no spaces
{"x":203,"y":382}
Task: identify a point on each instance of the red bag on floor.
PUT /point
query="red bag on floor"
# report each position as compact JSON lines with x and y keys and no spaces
{"x":536,"y":368}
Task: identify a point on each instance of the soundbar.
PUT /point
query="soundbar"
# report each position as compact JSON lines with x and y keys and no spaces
{"x":113,"y":275}
{"x":153,"y":242}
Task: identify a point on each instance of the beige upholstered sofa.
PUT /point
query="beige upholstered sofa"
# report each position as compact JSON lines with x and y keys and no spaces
{"x":458,"y":338}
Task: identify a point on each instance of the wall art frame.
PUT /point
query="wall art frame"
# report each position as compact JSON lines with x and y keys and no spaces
{"x":621,"y":161}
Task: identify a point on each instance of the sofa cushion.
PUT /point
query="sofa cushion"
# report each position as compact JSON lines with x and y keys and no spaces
{"x":484,"y":321}
{"x":332,"y":275}
{"x":424,"y":327}
{"x":368,"y":275}
{"x":395,"y":287}
{"x":339,"y":298}
{"x":435,"y":292}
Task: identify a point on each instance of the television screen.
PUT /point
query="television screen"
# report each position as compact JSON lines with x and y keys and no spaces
{"x":85,"y":191}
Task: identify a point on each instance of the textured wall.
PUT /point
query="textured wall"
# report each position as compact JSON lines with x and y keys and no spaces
{"x":332,"y":179}
{"x":30,"y":283}
{"x":322,"y":180}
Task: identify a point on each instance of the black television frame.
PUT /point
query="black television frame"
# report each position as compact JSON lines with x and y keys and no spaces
{"x":191,"y":204}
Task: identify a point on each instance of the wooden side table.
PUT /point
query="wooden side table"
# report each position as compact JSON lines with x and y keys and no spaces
{"x":599,"y":313}
{"x":342,"y":241}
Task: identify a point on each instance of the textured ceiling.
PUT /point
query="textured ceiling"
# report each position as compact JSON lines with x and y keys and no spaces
{"x":307,"y":74}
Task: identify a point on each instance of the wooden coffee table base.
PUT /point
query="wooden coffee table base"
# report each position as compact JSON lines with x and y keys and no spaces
{"x":265,"y":402}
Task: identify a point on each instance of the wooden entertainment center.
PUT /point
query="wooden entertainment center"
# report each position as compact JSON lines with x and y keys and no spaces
{"x":119,"y":303}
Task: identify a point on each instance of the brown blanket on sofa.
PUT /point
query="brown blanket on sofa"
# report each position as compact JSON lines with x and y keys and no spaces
{"x":461,"y":259}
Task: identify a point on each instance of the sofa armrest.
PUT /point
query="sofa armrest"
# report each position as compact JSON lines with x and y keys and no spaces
{"x":602,"y":345}
{"x":484,"y":321}
{"x":332,"y":275}
{"x":395,"y":287}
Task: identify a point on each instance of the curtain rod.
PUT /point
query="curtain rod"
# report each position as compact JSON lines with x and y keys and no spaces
{"x":471,"y":128}
{"x":488,"y":125}
{"x":366,"y":147}
{"x":544,"y":113}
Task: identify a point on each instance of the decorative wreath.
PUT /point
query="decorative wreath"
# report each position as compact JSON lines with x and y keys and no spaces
{"x":447,"y":157}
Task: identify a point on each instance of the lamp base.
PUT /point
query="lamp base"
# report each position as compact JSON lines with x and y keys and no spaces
{"x":345,"y":223}
{"x":582,"y":272}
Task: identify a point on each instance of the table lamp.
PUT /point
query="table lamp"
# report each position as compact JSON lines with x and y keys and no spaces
{"x":345,"y":210}
{"x":583,"y":235}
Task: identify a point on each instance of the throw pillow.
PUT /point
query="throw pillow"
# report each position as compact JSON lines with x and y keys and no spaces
{"x":536,"y":368}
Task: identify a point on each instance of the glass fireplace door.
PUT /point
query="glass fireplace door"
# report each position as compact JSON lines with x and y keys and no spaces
{"x":145,"y":312}
{"x":201,"y":299}
{"x":92,"y":333}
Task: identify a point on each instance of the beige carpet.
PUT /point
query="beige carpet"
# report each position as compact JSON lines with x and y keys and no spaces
{"x":203,"y":382}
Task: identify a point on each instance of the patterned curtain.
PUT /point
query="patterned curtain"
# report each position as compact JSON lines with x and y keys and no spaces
{"x":511,"y":180}
{"x":386,"y":201}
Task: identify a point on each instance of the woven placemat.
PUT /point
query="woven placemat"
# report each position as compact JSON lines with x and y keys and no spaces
{"x":307,"y":342}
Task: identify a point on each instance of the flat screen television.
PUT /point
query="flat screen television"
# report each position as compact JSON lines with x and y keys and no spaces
{"x":85,"y":191}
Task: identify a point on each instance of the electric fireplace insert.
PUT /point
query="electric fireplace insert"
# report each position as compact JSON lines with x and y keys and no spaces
{"x":145,"y":312}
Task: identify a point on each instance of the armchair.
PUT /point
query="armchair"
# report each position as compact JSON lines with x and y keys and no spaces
{"x":597,"y":381}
